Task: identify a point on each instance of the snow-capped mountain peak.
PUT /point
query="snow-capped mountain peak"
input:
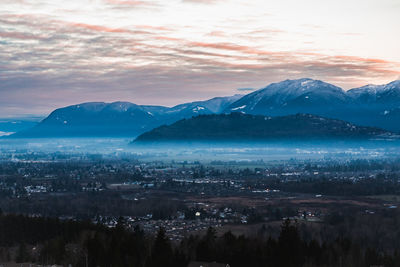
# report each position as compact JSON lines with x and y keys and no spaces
{"x":374,"y":105}
{"x":302,"y":92}
{"x":395,"y":85}
{"x":385,"y":93}
{"x":290,"y":89}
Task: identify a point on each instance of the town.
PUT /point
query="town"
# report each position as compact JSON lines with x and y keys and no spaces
{"x":186,"y":197}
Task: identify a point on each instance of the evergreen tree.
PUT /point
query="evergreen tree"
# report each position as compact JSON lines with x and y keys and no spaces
{"x":290,"y":245}
{"x":22,"y":254}
{"x":161,"y":252}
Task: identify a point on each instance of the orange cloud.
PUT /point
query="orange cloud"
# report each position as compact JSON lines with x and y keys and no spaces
{"x":230,"y":47}
{"x":99,"y":28}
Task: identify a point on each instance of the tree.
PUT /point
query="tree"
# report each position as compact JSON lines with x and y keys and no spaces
{"x":161,"y":253}
{"x":22,"y":254}
{"x":290,"y":245}
{"x":206,"y":248}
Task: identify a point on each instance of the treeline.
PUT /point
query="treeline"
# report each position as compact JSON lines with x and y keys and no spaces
{"x":50,"y":241}
{"x":331,"y":186}
{"x":362,"y":187}
{"x":355,"y":165}
{"x":88,"y":205}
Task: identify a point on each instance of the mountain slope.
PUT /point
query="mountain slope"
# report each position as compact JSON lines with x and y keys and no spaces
{"x":290,"y":97}
{"x":95,"y":119}
{"x":243,"y":127}
{"x":214,"y":105}
{"x":11,"y":125}
{"x":376,"y":105}
{"x":371,"y":105}
{"x":118,"y":119}
{"x":387,"y":95}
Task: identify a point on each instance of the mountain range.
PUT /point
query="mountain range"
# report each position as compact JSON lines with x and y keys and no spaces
{"x":118,"y":119}
{"x":11,"y":125}
{"x":370,"y":105}
{"x":239,"y":127}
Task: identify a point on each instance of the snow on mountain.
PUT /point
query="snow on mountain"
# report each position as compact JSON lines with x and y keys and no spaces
{"x":290,"y":89}
{"x":119,"y":118}
{"x":371,"y":105}
{"x":290,"y":94}
{"x":367,"y":89}
{"x":387,"y":94}
{"x":218,"y":104}
{"x":213,"y":105}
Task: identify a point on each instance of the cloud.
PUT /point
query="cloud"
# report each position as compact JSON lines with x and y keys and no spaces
{"x":99,"y":28}
{"x":20,"y":35}
{"x":246,"y":89}
{"x":59,"y":60}
{"x":126,"y":2}
{"x":131,"y":4}
{"x":230,"y":47}
{"x":201,"y":1}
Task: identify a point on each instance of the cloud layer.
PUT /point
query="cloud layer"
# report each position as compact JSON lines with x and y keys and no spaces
{"x":156,"y":52}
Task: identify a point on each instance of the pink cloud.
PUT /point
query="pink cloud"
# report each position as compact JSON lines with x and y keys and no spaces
{"x":230,"y":47}
{"x":127,"y":2}
{"x":124,"y":4}
{"x":201,"y":1}
{"x":148,"y":64}
{"x":20,"y":35}
{"x":99,"y":28}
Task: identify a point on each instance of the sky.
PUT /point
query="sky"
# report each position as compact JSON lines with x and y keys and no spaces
{"x":55,"y":53}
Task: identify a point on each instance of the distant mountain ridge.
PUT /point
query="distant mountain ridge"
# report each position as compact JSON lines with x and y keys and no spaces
{"x":119,"y":119}
{"x":11,"y":125}
{"x":371,"y":105}
{"x":291,"y":95}
{"x":387,"y":94}
{"x":239,"y":127}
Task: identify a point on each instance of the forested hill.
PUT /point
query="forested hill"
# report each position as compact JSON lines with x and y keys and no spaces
{"x":245,"y":127}
{"x":50,"y":241}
